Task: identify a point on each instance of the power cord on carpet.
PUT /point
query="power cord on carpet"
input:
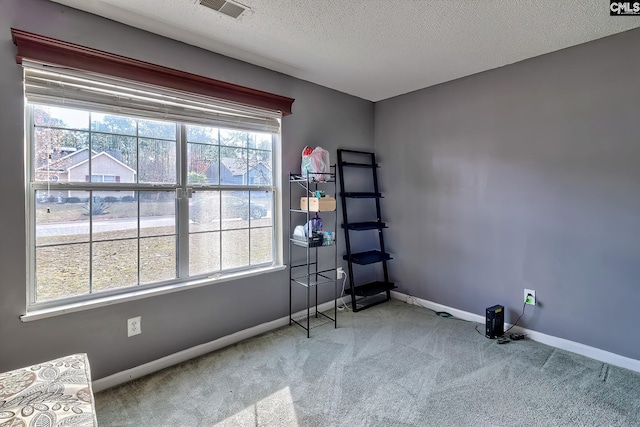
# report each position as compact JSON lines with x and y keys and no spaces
{"x":442,"y":314}
{"x":517,"y":320}
{"x":344,"y":305}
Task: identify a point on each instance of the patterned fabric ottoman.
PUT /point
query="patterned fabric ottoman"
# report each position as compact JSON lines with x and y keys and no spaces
{"x":51,"y":394}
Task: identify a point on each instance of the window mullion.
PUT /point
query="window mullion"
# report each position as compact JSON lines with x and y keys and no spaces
{"x":182,"y":219}
{"x":90,"y":237}
{"x":249,"y":230}
{"x":31,"y":206}
{"x":277,"y":213}
{"x":90,"y":161}
{"x":248,"y":166}
{"x":138,"y":233}
{"x":138,"y":194}
{"x":220,"y":231}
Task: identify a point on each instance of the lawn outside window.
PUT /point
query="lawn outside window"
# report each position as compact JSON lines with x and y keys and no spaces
{"x":121,"y":199}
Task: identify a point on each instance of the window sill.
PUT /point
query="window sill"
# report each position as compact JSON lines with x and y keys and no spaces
{"x":136,"y":295}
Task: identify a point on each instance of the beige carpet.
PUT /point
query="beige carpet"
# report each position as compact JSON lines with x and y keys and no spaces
{"x":391,"y":365}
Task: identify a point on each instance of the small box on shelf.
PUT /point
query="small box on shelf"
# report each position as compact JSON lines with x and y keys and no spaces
{"x":316,"y":239}
{"x":318,"y":204}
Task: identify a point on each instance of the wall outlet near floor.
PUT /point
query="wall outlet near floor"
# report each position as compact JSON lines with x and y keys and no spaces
{"x":530,"y":297}
{"x":340,"y":272}
{"x":133,"y":326}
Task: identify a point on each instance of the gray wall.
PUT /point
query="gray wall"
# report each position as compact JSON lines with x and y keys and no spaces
{"x":523,"y":177}
{"x":519,"y":177}
{"x":171,"y":322}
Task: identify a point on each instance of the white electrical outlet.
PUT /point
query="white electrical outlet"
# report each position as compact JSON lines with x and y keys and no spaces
{"x":133,"y":326}
{"x":340,"y":272}
{"x":530,"y":296}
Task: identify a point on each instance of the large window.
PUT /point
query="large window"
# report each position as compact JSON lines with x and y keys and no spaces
{"x":130,"y":194}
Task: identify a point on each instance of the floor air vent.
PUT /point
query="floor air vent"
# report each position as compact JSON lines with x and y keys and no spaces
{"x":233,"y":10}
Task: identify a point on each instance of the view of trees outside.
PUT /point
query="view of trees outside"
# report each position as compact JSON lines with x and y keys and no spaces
{"x":224,"y":156}
{"x":89,"y":241}
{"x":61,"y":132}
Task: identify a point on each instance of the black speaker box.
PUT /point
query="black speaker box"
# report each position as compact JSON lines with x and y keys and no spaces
{"x":495,"y":321}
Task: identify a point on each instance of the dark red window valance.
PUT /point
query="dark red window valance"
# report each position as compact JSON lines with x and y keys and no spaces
{"x":45,"y":49}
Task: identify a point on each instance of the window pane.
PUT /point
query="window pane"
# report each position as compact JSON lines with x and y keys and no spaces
{"x":114,"y":155}
{"x":202,"y":164}
{"x":235,"y":210}
{"x":261,"y":242}
{"x":235,"y":249}
{"x":111,"y":217}
{"x":260,"y":209}
{"x":261,"y":141}
{"x":115,"y":264}
{"x":202,"y":134}
{"x":157,"y":129}
{"x":261,"y":245}
{"x":60,"y":117}
{"x":57,"y":154}
{"x":204,"y":211}
{"x":99,"y":239}
{"x":259,"y":167}
{"x":62,"y":271}
{"x":233,"y":166}
{"x":157,"y":213}
{"x":61,"y":217}
{"x":157,"y":161}
{"x":234,"y":138}
{"x":204,"y":253}
{"x":157,"y":259}
{"x":109,"y":123}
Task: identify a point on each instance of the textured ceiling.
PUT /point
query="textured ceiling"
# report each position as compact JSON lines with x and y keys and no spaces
{"x":371,"y":48}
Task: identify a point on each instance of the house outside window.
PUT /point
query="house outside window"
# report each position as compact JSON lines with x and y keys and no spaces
{"x":120,"y":202}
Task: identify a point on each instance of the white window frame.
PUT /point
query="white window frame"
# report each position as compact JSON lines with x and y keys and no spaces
{"x":37,"y":309}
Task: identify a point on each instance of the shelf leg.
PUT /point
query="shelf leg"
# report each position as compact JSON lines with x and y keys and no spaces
{"x":308,"y":310}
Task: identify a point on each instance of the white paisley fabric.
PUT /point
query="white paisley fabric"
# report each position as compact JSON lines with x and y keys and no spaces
{"x":52,"y":394}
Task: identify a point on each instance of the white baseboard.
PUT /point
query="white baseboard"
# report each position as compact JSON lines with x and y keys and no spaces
{"x":199,"y":350}
{"x":190,"y":353}
{"x":561,"y":343}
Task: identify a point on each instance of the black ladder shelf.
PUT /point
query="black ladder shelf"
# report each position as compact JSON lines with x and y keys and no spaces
{"x":379,"y":291}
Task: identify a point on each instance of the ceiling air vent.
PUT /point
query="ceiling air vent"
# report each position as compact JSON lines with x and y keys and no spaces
{"x":223,"y":6}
